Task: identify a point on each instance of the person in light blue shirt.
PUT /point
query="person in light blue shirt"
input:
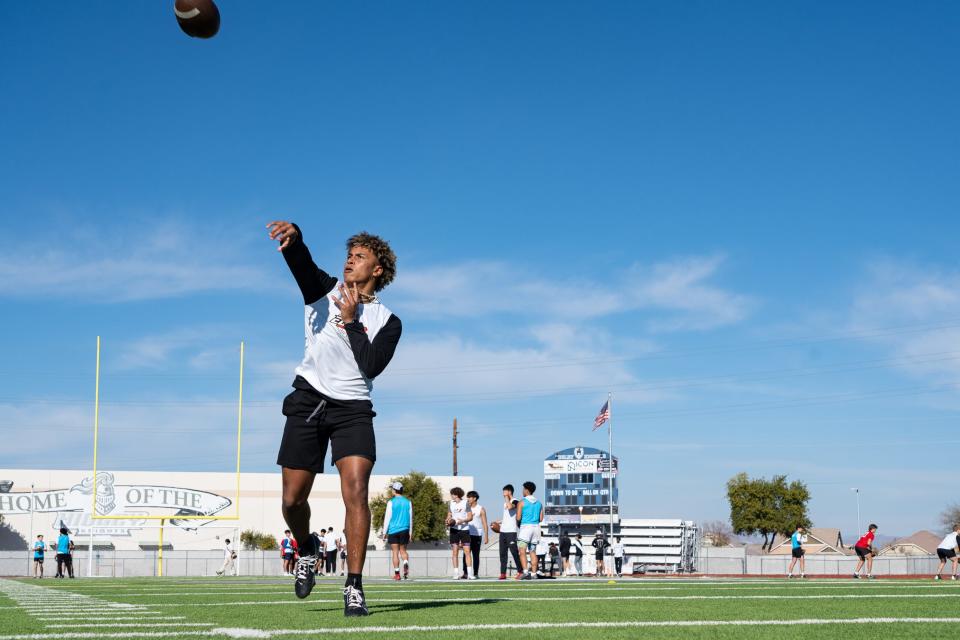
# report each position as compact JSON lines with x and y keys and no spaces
{"x":64,"y":553}
{"x":529,"y":517}
{"x":796,"y":544}
{"x":398,"y":529}
{"x":38,"y":550}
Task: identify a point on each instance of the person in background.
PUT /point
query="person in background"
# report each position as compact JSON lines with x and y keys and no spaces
{"x":38,"y":550}
{"x":599,"y":545}
{"x":947,"y":550}
{"x":288,"y":551}
{"x":564,"y":553}
{"x":618,"y":557}
{"x":577,"y":544}
{"x":508,"y":532}
{"x":478,"y":531}
{"x":321,"y":544}
{"x":796,"y":550}
{"x":865,"y":551}
{"x":64,"y":557}
{"x":229,"y":555}
{"x":398,"y":529}
{"x":542,"y":549}
{"x":555,"y":564}
{"x":529,"y":516}
{"x":331,"y":551}
{"x":342,"y":546}
{"x":458,"y":519}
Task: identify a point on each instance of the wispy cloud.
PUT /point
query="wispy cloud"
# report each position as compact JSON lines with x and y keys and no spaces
{"x":156,"y":260}
{"x":915,"y":312}
{"x":678,"y":294}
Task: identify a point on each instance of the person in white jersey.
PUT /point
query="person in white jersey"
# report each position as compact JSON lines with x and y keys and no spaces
{"x":508,"y":532}
{"x":478,"y":531}
{"x":398,"y":529}
{"x":529,"y":516}
{"x":618,"y":557}
{"x":577,"y":545}
{"x":458,"y":519}
{"x":947,"y":550}
{"x":229,"y":555}
{"x":342,"y":546}
{"x":350,"y":338}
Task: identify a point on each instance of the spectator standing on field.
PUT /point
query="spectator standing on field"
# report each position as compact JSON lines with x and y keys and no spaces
{"x":599,"y":545}
{"x":508,"y":532}
{"x":229,"y":555}
{"x":342,"y":545}
{"x":618,"y":557}
{"x":288,"y":551}
{"x":478,"y":531}
{"x":38,"y":551}
{"x":565,"y":545}
{"x":542,"y":549}
{"x":398,"y":529}
{"x":331,"y":551}
{"x":64,"y":553}
{"x":577,"y":544}
{"x":321,"y":543}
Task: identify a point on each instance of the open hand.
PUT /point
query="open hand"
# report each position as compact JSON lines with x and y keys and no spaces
{"x":283,"y":232}
{"x":349,"y":299}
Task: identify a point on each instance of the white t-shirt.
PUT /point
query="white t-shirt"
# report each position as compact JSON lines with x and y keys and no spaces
{"x":458,"y":511}
{"x":227,"y":552}
{"x":330,"y":541}
{"x":618,"y":550}
{"x":509,"y":522}
{"x":476,"y":525}
{"x":951,"y":541}
{"x":543,"y":547}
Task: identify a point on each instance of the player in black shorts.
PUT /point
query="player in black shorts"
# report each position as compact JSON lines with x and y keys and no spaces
{"x":350,"y":339}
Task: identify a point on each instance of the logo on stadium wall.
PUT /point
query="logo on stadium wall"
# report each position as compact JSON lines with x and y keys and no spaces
{"x":127,"y":503}
{"x":578,"y":453}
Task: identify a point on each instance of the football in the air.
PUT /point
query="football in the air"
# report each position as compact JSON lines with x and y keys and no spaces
{"x":495,"y":526}
{"x":197,"y":18}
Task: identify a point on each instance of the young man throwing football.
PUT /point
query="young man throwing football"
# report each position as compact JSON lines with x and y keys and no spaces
{"x":350,"y":339}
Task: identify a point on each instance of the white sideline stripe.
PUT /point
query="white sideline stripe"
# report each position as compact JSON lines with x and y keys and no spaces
{"x":604,"y":589}
{"x":554,"y":599}
{"x":151,"y":623}
{"x":528,"y":588}
{"x":259,"y":633}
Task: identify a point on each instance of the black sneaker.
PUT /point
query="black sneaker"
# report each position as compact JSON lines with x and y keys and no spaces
{"x":354,"y":604}
{"x":304,"y":572}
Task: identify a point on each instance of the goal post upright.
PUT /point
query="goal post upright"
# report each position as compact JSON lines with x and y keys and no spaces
{"x":96,"y":433}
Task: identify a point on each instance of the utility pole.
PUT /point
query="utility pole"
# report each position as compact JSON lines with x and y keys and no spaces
{"x":454,"y":446}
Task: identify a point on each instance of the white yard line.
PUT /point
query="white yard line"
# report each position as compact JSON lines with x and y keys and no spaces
{"x":149,"y":623}
{"x":262,"y":633}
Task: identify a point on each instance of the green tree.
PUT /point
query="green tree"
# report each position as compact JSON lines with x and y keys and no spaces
{"x":767,"y":507}
{"x":250,"y":540}
{"x":429,"y":509}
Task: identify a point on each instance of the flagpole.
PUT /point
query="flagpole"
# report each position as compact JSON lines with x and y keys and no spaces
{"x":610,"y":443}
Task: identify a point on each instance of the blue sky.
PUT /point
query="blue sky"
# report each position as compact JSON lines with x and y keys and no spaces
{"x":738,"y":217}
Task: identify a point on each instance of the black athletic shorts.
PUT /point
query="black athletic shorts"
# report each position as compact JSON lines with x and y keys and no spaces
{"x":401,"y":537}
{"x":460,"y":537}
{"x":313,"y":420}
{"x":862,"y":552}
{"x":797,"y":552}
{"x":946,"y":554}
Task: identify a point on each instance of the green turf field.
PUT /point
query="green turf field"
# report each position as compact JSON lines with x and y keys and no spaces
{"x":425,"y":609}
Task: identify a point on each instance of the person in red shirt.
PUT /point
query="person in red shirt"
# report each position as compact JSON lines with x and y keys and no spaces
{"x":865,"y":552}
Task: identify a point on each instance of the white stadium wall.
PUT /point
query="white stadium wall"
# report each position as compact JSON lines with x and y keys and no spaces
{"x":135,"y":497}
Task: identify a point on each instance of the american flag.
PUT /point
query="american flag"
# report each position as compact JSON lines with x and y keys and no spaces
{"x":603,"y":416}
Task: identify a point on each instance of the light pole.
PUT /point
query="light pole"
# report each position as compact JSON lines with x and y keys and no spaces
{"x":856,"y":490}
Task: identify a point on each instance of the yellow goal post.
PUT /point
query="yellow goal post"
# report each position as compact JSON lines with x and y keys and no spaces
{"x":96,"y":433}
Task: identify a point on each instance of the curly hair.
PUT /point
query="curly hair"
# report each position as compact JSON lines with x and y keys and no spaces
{"x":380,"y":248}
